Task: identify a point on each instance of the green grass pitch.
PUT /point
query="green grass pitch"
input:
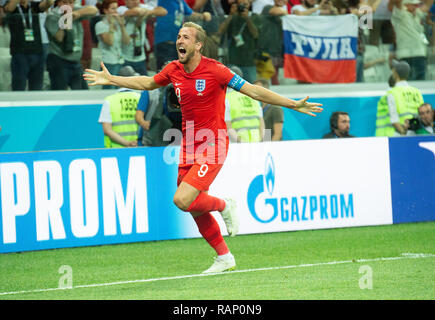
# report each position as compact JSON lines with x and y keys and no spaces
{"x":350,"y":263}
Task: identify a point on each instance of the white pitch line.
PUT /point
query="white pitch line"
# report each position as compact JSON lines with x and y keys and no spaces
{"x":403,"y":256}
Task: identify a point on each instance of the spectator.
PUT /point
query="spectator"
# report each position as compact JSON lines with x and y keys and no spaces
{"x":66,"y":45}
{"x":423,"y":124}
{"x":273,"y":117}
{"x":27,"y":56}
{"x":407,"y":18}
{"x":167,"y":28}
{"x":243,"y":115}
{"x":117,"y":116}
{"x":360,"y":8}
{"x":214,"y":46}
{"x":382,"y":29}
{"x":136,"y":15}
{"x":112,"y":35}
{"x":403,"y":101}
{"x":270,"y":38}
{"x":339,"y":123}
{"x":241,"y":28}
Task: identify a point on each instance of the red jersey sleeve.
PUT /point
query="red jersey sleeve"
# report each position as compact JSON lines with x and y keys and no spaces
{"x":163,"y":77}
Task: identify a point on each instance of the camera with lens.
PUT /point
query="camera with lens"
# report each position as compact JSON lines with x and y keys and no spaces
{"x":137,"y":51}
{"x":414,"y":124}
{"x":241,"y":7}
{"x":172,"y":100}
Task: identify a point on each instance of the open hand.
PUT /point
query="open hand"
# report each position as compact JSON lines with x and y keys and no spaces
{"x":308,"y":107}
{"x":97,"y":77}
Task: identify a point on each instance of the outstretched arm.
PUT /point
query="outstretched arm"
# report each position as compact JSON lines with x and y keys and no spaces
{"x":105,"y":78}
{"x":265,"y":95}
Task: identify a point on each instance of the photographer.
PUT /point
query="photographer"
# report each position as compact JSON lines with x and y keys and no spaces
{"x":242,"y":33}
{"x":136,"y":15}
{"x":65,"y":33}
{"x":112,"y":35}
{"x":424,"y":123}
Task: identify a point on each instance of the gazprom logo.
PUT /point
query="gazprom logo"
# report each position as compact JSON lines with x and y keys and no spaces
{"x":265,"y":206}
{"x":270,"y":174}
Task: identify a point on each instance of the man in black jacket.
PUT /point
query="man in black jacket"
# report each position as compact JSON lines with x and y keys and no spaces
{"x":340,"y":125}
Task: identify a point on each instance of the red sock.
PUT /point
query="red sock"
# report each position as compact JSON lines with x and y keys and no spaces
{"x":205,"y":203}
{"x":209,"y":229}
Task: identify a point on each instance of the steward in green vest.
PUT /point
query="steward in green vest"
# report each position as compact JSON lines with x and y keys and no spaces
{"x":246,"y":116}
{"x":123,"y":105}
{"x":400,"y":103}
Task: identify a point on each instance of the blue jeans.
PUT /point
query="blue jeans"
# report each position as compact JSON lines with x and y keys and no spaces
{"x":138,"y":66}
{"x":27,"y":68}
{"x":64,"y":74}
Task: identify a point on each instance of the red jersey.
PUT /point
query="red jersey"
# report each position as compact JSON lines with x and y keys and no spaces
{"x":201,"y":95}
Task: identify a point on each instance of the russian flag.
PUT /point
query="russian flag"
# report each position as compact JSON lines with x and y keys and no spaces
{"x":320,"y":49}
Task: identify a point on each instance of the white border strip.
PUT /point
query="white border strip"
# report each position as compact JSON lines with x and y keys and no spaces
{"x":403,"y":256}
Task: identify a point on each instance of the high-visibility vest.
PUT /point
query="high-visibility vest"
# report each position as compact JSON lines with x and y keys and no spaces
{"x":407,"y":100}
{"x":123,"y":107}
{"x":245,"y":117}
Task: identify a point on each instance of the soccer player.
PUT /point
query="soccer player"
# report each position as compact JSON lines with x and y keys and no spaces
{"x":200,"y":84}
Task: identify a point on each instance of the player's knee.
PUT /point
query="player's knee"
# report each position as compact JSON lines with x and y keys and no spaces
{"x":181,"y":202}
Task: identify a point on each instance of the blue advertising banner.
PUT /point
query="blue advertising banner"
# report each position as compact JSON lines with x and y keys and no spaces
{"x":89,"y":197}
{"x":412,"y":163}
